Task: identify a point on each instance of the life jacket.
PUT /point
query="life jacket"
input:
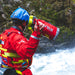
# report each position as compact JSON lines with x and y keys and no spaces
{"x":11,"y":59}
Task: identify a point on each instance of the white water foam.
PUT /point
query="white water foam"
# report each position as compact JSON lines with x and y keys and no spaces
{"x":61,"y":62}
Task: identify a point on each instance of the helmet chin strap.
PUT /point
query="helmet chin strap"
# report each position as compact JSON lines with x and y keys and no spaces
{"x":24,"y":29}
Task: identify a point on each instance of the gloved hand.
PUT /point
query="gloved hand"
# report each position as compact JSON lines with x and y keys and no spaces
{"x":38,"y":26}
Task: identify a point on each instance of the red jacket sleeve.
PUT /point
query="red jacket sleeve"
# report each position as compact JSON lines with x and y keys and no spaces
{"x":22,"y":46}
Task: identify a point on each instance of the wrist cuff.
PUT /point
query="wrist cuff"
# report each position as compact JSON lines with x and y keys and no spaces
{"x":36,"y":34}
{"x":34,"y":37}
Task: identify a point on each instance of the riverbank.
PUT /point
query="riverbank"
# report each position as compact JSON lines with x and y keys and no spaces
{"x":48,"y":46}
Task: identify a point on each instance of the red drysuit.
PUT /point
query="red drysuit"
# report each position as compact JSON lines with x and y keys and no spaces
{"x":15,"y":42}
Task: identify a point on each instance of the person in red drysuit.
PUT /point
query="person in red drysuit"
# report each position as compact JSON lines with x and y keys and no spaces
{"x":16,"y":50}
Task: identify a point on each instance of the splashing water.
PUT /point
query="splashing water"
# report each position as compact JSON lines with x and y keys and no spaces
{"x":61,"y":62}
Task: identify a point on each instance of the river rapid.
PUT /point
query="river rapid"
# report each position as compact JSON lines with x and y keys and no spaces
{"x":60,"y":62}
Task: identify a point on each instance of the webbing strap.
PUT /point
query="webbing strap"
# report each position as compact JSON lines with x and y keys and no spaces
{"x":4,"y":55}
{"x":3,"y":49}
{"x":5,"y":66}
{"x":20,"y":61}
{"x":18,"y":72}
{"x":11,"y":54}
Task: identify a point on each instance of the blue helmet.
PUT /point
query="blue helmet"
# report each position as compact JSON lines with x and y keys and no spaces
{"x":21,"y":14}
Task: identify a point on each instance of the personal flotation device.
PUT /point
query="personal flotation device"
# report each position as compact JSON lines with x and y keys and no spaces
{"x":11,"y":59}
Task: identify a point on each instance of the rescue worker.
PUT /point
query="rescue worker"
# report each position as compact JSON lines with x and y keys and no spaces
{"x":16,"y":50}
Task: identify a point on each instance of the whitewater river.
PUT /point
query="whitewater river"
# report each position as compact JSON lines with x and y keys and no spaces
{"x":61,"y":62}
